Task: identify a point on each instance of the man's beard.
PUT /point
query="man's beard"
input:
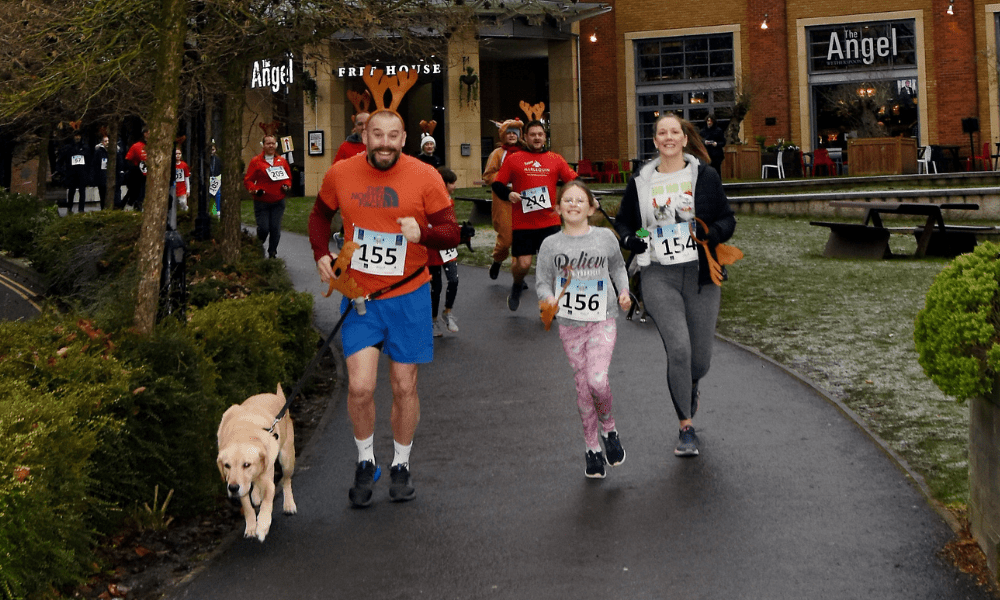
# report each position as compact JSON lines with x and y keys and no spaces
{"x":382,"y":166}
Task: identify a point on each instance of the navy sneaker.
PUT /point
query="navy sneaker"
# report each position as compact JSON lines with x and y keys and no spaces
{"x":365,"y":477}
{"x":688,"y":444}
{"x":595,"y":464}
{"x":401,"y":488}
{"x":494,"y":270}
{"x":613,"y":449}
{"x":514,"y":300}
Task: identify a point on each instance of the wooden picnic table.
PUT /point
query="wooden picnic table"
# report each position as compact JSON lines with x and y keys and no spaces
{"x":870,"y":239}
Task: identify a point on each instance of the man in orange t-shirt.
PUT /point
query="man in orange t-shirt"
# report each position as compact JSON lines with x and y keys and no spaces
{"x":396,"y":208}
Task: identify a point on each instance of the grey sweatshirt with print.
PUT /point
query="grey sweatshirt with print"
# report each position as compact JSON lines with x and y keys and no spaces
{"x":594,"y":255}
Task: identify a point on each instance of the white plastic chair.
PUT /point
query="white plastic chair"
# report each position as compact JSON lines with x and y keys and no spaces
{"x":779,"y":167}
{"x":924,"y":162}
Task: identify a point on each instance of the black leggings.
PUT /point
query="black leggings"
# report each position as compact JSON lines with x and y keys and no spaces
{"x":451,"y":271}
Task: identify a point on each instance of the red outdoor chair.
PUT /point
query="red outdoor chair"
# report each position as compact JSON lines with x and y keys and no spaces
{"x":610,"y":173}
{"x":822,"y":160}
{"x":585,"y":169}
{"x":986,"y":157}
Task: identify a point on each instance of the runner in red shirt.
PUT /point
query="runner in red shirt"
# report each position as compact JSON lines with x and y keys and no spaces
{"x":268,"y":178}
{"x":397,"y":209}
{"x":533,"y":175}
{"x":182,"y":180}
{"x":135,"y":178}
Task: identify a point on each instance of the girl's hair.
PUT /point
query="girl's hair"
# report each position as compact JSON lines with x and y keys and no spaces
{"x":447,"y":174}
{"x":577,"y":183}
{"x":694,"y":144}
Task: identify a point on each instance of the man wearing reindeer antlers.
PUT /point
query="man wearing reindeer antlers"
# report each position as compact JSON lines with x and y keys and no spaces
{"x":533,"y":175}
{"x":268,"y":179}
{"x":353,"y":145}
{"x":394,"y":208}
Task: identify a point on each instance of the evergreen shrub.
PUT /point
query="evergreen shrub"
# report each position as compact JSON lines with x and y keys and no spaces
{"x":22,"y":216}
{"x":956,"y":333}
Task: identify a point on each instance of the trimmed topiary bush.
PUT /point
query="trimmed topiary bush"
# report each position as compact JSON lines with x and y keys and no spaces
{"x":956,"y":333}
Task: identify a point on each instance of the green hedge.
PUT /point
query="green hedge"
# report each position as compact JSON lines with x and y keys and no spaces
{"x":21,"y":217}
{"x":60,"y":386}
{"x":93,"y":416}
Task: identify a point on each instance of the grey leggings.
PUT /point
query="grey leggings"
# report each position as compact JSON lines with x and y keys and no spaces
{"x":685,"y":316}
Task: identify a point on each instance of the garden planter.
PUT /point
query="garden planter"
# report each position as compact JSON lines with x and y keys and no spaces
{"x":741,"y":162}
{"x":984,"y":477}
{"x":882,"y":156}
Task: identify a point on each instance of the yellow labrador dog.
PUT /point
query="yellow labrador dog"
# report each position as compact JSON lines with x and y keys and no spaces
{"x":247,"y":452}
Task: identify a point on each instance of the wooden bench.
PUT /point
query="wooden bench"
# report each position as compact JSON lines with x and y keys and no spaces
{"x":855,"y":240}
{"x":870,"y":239}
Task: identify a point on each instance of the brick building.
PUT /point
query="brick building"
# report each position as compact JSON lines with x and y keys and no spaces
{"x":814,"y":73}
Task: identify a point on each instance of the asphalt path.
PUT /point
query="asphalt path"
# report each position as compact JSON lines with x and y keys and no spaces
{"x":789,"y":498}
{"x":19,"y":292}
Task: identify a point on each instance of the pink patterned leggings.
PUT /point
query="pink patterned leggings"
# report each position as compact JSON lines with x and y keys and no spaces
{"x":589,"y":348}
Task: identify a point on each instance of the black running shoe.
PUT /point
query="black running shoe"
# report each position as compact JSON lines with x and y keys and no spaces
{"x":401,"y":488}
{"x":613,"y":449}
{"x":494,"y":270}
{"x":514,"y":300}
{"x":595,"y":464}
{"x":688,"y":444}
{"x":365,"y":477}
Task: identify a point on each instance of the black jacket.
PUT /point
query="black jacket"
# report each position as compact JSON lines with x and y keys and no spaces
{"x":710,"y":205}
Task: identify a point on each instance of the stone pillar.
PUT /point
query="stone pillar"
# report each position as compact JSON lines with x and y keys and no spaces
{"x":464,"y":117}
{"x":984,"y":477}
{"x":564,"y":108}
{"x":328,"y":114}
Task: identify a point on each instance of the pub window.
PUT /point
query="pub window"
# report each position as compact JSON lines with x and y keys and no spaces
{"x":691,"y":76}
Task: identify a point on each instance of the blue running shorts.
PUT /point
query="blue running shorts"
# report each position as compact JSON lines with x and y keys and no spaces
{"x":399,"y":326}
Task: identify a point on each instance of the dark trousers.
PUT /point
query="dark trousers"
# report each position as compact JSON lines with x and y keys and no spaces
{"x":73,"y":188}
{"x":136,"y":182}
{"x":268,"y":216}
{"x":451,"y":271}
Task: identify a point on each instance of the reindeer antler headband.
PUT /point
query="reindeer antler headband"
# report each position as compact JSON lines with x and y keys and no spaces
{"x":361,"y":101}
{"x":270,"y":129}
{"x":427,"y":127}
{"x":534,"y":112}
{"x":397,"y":86}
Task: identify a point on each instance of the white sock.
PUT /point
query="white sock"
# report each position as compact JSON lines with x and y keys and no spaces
{"x":366,"y":448}
{"x":402,"y":454}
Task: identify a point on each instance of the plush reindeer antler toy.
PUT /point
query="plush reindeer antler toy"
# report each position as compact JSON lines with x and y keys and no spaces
{"x":726,"y":254}
{"x":549,"y":309}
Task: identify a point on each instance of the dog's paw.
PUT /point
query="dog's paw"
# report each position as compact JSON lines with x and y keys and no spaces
{"x":288,"y":507}
{"x":263,"y":527}
{"x":250,"y":531}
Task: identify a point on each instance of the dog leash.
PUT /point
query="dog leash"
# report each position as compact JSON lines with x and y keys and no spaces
{"x":329,"y":339}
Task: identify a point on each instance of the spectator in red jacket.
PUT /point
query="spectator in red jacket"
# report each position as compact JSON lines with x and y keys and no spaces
{"x":353,"y":145}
